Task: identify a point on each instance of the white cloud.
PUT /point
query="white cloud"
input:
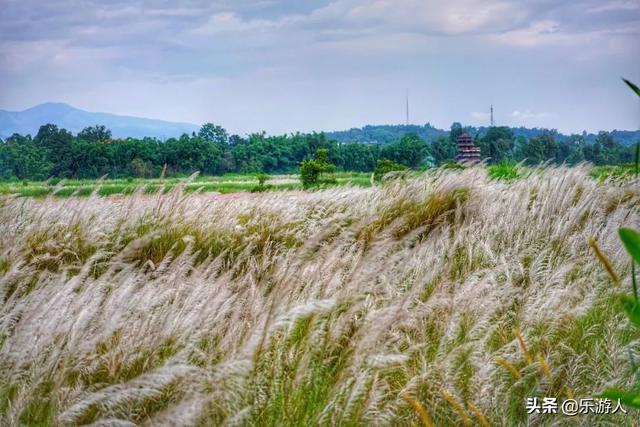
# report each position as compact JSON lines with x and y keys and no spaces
{"x":593,"y":42}
{"x":117,"y":12}
{"x":49,"y":56}
{"x":228,"y":22}
{"x":537,"y":33}
{"x":616,"y":5}
{"x":354,"y":18}
{"x":431,"y":16}
{"x":176,"y":12}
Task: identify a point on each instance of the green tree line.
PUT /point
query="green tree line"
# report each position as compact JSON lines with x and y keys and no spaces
{"x":55,"y":152}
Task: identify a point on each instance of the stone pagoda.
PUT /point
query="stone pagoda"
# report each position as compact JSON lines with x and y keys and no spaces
{"x":467,"y":150}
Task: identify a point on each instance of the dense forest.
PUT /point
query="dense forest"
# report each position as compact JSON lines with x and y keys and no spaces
{"x":384,"y":134}
{"x":93,"y":152}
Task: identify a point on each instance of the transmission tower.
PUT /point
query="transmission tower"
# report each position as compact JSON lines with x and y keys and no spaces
{"x":407,"y":108}
{"x":492,"y":122}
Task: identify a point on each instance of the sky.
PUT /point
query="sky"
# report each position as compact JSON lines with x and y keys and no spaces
{"x":295,"y":65}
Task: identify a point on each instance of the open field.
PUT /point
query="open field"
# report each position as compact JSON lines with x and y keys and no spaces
{"x":233,"y":183}
{"x":220,"y":184}
{"x":447,"y":297}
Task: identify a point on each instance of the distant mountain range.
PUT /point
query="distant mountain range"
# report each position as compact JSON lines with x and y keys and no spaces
{"x":74,"y":120}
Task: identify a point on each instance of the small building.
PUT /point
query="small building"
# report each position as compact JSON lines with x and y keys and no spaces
{"x":467,"y":150}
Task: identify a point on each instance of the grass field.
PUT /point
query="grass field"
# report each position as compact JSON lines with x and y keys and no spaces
{"x":233,"y":183}
{"x":444,"y":299}
{"x":221,"y":184}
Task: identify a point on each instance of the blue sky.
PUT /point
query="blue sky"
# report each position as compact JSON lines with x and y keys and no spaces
{"x":289,"y":65}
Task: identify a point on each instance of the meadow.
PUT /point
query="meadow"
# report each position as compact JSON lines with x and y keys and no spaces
{"x":229,"y":183}
{"x":441,"y":298}
{"x":233,"y":183}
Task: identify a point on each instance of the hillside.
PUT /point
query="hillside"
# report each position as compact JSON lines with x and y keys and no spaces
{"x":386,"y":134}
{"x":74,"y":120}
{"x":447,"y":297}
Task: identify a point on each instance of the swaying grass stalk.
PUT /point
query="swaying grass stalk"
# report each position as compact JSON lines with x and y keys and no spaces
{"x":482,"y":420}
{"x":457,"y":407}
{"x":544,"y":366}
{"x":508,"y":366}
{"x":420,"y":410}
{"x":604,"y":260}
{"x":523,"y":346}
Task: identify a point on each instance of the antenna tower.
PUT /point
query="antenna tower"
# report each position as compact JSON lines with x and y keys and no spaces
{"x":492,"y":122}
{"x":407,"y":111}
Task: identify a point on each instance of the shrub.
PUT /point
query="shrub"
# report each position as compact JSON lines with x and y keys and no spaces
{"x":506,"y":170}
{"x":262,"y":178}
{"x":622,"y":172}
{"x":260,"y":188}
{"x":312,"y":169}
{"x":386,"y":166}
{"x":452,"y":165}
{"x":309,"y":172}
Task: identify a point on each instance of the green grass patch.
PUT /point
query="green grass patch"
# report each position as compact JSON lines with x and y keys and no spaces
{"x":506,"y":171}
{"x":231,"y":183}
{"x":620,"y":172}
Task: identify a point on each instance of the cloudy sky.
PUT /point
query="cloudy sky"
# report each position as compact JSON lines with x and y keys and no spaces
{"x":285,"y":65}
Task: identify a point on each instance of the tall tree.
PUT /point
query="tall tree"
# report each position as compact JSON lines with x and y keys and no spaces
{"x":21,"y":158}
{"x":539,"y":149}
{"x":609,"y":152}
{"x":97,"y":133}
{"x":444,"y":150}
{"x":214,"y":133}
{"x":410,"y":151}
{"x":455,"y":131}
{"x":497,"y":144}
{"x":58,"y":145}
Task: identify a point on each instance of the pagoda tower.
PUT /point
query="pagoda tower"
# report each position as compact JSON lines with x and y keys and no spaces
{"x":467,"y":150}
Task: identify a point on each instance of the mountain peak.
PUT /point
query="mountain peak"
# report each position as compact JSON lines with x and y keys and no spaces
{"x":54,"y":104}
{"x":59,"y":106}
{"x":74,"y":119}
